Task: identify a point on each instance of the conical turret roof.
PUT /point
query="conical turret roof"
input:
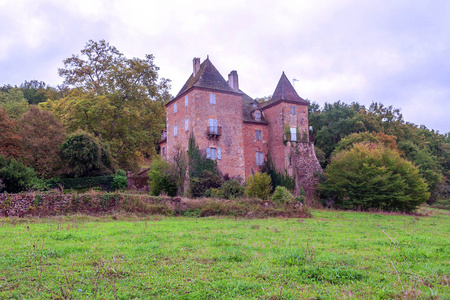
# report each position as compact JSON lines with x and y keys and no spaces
{"x":284,"y":92}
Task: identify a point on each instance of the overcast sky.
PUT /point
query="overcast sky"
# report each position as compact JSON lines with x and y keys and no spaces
{"x":393,"y":52}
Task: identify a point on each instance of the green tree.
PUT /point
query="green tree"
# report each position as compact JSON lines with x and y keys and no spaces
{"x":373,"y":176}
{"x":84,"y":155}
{"x":14,"y":102}
{"x":34,"y":91}
{"x":15,"y":176}
{"x":115,"y":98}
{"x":42,"y":135}
{"x":259,"y":185}
{"x":161,"y":179}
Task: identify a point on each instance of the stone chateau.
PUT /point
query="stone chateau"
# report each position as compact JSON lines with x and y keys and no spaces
{"x":237,"y":131}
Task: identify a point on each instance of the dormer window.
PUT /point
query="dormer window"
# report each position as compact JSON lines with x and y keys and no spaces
{"x":255,"y":104}
{"x":257,"y":115}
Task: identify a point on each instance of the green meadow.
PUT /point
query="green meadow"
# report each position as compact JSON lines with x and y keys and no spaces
{"x":334,"y":254}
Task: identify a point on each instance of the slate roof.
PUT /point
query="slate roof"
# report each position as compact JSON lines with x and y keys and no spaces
{"x":247,"y":109}
{"x":207,"y":77}
{"x":284,"y":92}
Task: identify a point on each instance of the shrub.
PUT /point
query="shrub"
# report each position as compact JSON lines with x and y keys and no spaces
{"x":216,"y":193}
{"x":373,"y":176}
{"x":259,"y":185}
{"x":199,"y":185}
{"x":232,"y":189}
{"x":15,"y":176}
{"x":82,"y":183}
{"x":282,"y":195}
{"x":160,"y":179}
{"x":119,"y":181}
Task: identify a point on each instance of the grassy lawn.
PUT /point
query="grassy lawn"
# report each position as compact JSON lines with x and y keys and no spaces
{"x":335,"y":254}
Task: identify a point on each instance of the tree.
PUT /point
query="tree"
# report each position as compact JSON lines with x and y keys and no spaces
{"x":84,"y":155}
{"x":259,"y":185}
{"x":42,"y":134}
{"x":34,"y":91}
{"x":14,"y":102}
{"x":115,"y":98}
{"x":15,"y":176}
{"x":9,"y":140}
{"x":373,"y":176}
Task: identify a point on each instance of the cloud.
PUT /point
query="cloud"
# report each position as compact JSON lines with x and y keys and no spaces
{"x":394,"y":52}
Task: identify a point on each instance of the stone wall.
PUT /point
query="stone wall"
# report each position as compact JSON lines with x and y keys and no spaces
{"x":228,"y":113}
{"x":306,"y":167}
{"x":252,"y":145}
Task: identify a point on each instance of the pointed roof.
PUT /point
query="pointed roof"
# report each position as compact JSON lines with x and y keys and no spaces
{"x":284,"y":92}
{"x":207,"y":77}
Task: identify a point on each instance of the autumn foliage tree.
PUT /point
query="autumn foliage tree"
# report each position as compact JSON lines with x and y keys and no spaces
{"x":42,"y":135}
{"x":9,"y":139}
{"x":115,"y":98}
{"x":372,"y":176}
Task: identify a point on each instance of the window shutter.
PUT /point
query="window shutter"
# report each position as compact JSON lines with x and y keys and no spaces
{"x":208,"y":153}
{"x":219,"y":153}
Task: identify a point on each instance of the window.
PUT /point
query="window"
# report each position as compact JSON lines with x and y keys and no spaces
{"x":186,"y":124}
{"x":212,"y":98}
{"x":213,"y":153}
{"x":186,"y":101}
{"x":175,"y":130}
{"x":258,"y":135}
{"x":212,"y":126}
{"x":257,"y":115}
{"x":292,"y":110}
{"x":175,"y":108}
{"x":294,"y":134}
{"x":259,"y":158}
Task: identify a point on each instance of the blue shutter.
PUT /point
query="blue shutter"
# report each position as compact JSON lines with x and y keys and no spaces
{"x":219,"y":153}
{"x":208,"y":153}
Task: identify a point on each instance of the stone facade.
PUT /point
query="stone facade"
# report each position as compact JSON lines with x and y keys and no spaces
{"x":237,"y":131}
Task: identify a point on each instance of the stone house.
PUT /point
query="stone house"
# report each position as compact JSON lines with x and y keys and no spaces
{"x":237,"y":131}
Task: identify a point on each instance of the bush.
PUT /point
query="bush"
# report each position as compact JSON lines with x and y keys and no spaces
{"x":232,"y":189}
{"x":371,"y":176}
{"x":160,"y":179}
{"x":282,"y":195}
{"x":199,"y":185}
{"x":82,"y":183}
{"x":216,"y":193}
{"x":15,"y":176}
{"x":259,"y":186}
{"x":119,"y":181}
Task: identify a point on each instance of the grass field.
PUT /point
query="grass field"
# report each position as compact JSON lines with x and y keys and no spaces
{"x":333,"y":255}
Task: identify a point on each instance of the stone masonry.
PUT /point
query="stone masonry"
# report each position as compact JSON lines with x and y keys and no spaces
{"x":238,"y":132}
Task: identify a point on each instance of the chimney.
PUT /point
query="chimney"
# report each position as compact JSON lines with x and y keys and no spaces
{"x":233,"y":81}
{"x":196,"y":63}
